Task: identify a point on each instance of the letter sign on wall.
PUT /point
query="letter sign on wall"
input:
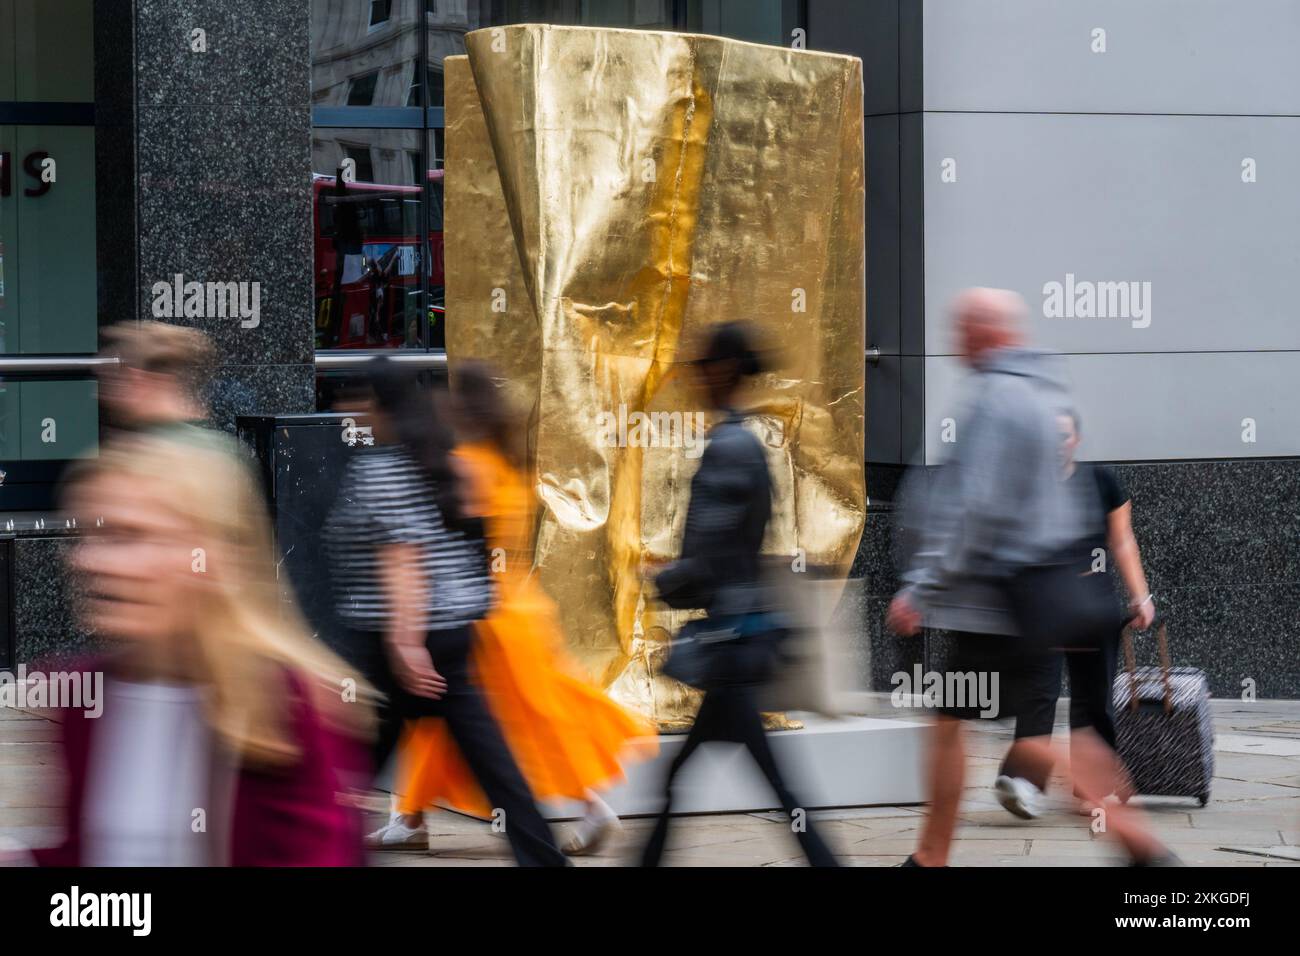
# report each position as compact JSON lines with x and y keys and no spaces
{"x":36,"y":166}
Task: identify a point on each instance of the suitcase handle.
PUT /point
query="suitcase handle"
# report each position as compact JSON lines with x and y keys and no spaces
{"x":1130,"y":664}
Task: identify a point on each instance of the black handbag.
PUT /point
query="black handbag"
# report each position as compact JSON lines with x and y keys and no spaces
{"x":714,"y":652}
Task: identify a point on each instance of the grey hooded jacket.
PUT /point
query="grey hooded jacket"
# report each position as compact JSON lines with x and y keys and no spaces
{"x":998,"y":503}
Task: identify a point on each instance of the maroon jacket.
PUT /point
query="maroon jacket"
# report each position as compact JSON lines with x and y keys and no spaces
{"x":285,"y":817}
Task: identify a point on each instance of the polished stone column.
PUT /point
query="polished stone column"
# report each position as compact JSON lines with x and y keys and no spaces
{"x":224,"y":139}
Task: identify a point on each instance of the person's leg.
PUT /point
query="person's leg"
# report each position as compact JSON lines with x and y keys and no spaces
{"x":1092,"y":680}
{"x":946,"y":760}
{"x":1096,"y":766}
{"x":702,"y":729}
{"x":401,"y":831}
{"x":418,"y":755}
{"x":1096,"y":769}
{"x":389,"y":732}
{"x":480,"y":740}
{"x":1035,"y":719}
{"x":1104,"y":711}
{"x":1089,"y":695}
{"x":368,"y":656}
{"x":946,"y":772}
{"x":744,"y":718}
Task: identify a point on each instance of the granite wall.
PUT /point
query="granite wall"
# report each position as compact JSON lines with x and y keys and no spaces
{"x":45,"y":628}
{"x":223,"y":149}
{"x":1218,"y":541}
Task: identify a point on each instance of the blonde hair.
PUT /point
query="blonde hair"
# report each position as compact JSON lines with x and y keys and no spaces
{"x":246,"y":635}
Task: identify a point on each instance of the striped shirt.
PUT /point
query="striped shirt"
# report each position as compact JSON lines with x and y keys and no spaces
{"x":386,"y":499}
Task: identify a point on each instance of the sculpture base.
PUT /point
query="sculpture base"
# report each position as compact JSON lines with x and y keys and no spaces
{"x":848,"y":762}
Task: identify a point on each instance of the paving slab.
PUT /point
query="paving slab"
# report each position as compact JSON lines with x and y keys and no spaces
{"x":1253,"y":819}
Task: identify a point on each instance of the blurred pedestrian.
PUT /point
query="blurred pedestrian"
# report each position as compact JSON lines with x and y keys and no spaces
{"x":567,"y":735}
{"x":996,"y":564}
{"x":411,"y":570}
{"x":156,"y":383}
{"x":720,"y":571}
{"x":1109,"y":542}
{"x":226,"y":733}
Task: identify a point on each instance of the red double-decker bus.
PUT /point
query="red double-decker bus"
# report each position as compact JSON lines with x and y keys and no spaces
{"x":367,"y":255}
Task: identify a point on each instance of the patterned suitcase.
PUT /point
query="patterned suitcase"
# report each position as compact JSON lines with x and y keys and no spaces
{"x":1164,"y":732}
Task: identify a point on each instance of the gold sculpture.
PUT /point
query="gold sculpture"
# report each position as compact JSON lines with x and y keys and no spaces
{"x":610,"y":193}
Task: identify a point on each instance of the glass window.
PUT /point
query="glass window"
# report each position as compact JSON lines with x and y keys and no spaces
{"x":447,"y":25}
{"x":48,"y":420}
{"x":380,"y":11}
{"x":49,"y":273}
{"x":434,"y":75}
{"x":758,"y":21}
{"x":437,"y":278}
{"x":643,"y":14}
{"x":371,"y":84}
{"x":361,"y":92}
{"x":47,"y":49}
{"x":359,"y":155}
{"x":48,"y":300}
{"x":358,"y":60}
{"x":368,"y":213}
{"x":437,"y":147}
{"x":435,"y":84}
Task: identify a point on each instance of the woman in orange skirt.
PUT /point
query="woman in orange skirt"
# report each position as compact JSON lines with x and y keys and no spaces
{"x":567,"y":736}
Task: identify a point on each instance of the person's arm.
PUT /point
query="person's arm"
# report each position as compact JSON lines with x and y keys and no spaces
{"x":404,"y":590}
{"x":1124,"y":551}
{"x":720,"y":493}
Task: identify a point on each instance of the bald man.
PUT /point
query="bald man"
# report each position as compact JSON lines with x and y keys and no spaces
{"x":998,"y":503}
{"x":992,"y":540}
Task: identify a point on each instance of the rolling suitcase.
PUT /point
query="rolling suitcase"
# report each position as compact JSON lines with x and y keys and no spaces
{"x":1163,"y":728}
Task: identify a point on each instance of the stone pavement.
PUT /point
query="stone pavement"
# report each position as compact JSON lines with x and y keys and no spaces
{"x":1253,"y":818}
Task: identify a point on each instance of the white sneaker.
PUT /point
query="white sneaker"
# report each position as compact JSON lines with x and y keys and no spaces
{"x":396,"y":835}
{"x":1018,"y":796}
{"x":590,"y":835}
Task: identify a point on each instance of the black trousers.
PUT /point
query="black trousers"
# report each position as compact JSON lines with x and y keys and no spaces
{"x":472,"y":726}
{"x":731,"y":714}
{"x":1092,"y":700}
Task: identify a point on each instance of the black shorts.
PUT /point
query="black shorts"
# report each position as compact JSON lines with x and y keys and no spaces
{"x":1055,"y":608}
{"x":992,"y":676}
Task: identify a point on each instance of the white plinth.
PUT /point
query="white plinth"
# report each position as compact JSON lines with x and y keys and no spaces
{"x":847,"y":762}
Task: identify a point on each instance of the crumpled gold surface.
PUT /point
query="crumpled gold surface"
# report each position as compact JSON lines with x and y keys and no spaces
{"x":609,"y":194}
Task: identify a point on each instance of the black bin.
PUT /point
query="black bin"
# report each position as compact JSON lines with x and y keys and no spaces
{"x":301,"y":459}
